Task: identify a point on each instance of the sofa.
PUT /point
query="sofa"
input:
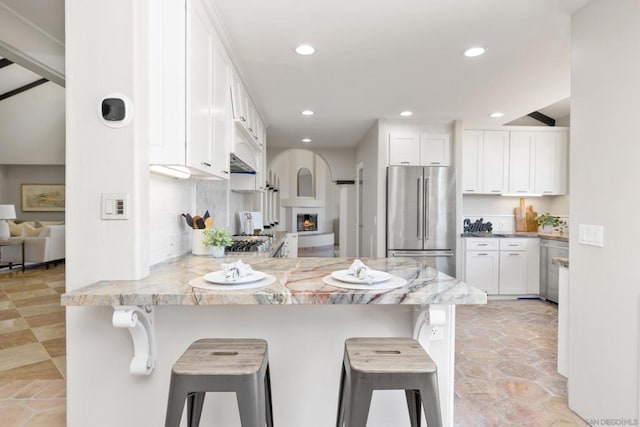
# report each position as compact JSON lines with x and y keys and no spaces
{"x":44,"y":243}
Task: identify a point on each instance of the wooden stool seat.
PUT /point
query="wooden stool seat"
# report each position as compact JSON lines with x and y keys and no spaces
{"x":233,"y":365}
{"x":387,"y":364}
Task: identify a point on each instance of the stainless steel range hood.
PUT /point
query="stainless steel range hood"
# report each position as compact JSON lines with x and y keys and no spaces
{"x":236,"y":164}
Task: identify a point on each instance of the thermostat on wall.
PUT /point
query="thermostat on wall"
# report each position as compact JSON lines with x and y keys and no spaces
{"x":116,"y":110}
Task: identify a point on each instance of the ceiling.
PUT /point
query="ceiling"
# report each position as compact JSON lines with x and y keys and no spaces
{"x":376,"y":61}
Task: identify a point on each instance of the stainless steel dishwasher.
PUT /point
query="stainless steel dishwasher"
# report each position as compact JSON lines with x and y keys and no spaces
{"x":550,"y":249}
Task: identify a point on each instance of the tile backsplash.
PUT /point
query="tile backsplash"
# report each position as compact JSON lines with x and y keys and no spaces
{"x":169,"y":234}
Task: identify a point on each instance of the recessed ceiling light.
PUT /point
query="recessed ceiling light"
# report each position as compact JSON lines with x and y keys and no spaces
{"x":474,"y":51}
{"x":307,"y":113}
{"x":306,"y":140}
{"x":496,"y":114}
{"x":406,"y":113}
{"x":305,"y":49}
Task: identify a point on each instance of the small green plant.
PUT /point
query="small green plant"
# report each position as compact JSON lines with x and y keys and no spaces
{"x":553,"y":221}
{"x":219,"y":237}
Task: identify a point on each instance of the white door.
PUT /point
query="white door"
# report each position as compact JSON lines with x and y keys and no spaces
{"x":495,"y":155}
{"x":472,"y":162}
{"x":513,"y":272}
{"x":482,"y":270}
{"x":404,"y":150}
{"x":521,"y":145}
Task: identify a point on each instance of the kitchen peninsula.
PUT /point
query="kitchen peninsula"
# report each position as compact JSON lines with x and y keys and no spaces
{"x":304,"y":320}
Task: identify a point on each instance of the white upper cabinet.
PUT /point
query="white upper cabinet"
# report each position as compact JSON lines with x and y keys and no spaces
{"x":538,"y":162}
{"x":419,"y":149}
{"x":404,"y":150}
{"x":221,"y":111}
{"x":515,"y":162}
{"x":485,"y":162}
{"x":550,"y":163}
{"x":521,"y":171}
{"x":190,"y":108}
{"x":248,"y":124}
{"x":435,"y":150}
{"x":200,"y":114}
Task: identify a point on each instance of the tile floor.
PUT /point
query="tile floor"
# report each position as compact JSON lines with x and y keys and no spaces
{"x":32,"y":348}
{"x":505,"y":359}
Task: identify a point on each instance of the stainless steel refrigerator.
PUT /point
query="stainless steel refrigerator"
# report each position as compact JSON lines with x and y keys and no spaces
{"x":421,"y":215}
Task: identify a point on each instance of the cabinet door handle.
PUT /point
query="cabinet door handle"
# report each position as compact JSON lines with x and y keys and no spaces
{"x":483,"y":244}
{"x":547,"y":192}
{"x":206,"y":164}
{"x":513,"y":244}
{"x":512,"y":254}
{"x":469,"y":191}
{"x":242,"y":118}
{"x":522,"y":191}
{"x":483,"y":254}
{"x":435,"y":163}
{"x":496,"y":191}
{"x":404,"y":163}
{"x":225,"y":172}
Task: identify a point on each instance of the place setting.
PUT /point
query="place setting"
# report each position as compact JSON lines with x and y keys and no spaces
{"x":233,"y":276}
{"x":359,"y":276}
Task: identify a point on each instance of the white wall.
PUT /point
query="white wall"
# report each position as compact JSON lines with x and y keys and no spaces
{"x":604,"y":288}
{"x":16,"y":175}
{"x":33,"y":127}
{"x":367,"y":152}
{"x":341,"y":161}
{"x":3,"y":185}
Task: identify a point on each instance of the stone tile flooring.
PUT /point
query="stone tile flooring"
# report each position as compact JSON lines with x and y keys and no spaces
{"x":505,"y":359}
{"x":32,"y":348}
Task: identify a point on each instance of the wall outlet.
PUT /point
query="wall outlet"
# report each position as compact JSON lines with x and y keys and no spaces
{"x":437,"y":333}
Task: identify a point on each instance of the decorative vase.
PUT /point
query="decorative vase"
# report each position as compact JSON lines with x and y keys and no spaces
{"x":217,"y":251}
{"x":197,"y":247}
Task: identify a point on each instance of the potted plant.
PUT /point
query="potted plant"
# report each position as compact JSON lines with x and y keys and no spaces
{"x":218,"y":239}
{"x":547,"y":221}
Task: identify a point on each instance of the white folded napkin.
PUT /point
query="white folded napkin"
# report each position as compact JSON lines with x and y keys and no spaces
{"x":236,"y":270}
{"x":361,"y":271}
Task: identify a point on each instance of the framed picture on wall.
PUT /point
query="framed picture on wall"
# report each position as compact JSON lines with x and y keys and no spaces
{"x":42,"y":197}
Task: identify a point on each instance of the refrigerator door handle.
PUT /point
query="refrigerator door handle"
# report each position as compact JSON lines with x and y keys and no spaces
{"x":419,"y":207}
{"x":426,"y":209}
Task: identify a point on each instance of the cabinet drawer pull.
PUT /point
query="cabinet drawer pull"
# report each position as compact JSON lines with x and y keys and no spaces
{"x":522,"y":191}
{"x":547,"y":192}
{"x":469,"y":191}
{"x":483,"y":244}
{"x":496,"y":191}
{"x":512,"y":254}
{"x":483,"y":254}
{"x":404,"y":163}
{"x":206,"y":164}
{"x":435,"y":163}
{"x":514,"y":244}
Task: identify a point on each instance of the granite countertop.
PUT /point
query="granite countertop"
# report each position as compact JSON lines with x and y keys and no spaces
{"x":298,"y":281}
{"x":564,"y":237}
{"x":561,"y":261}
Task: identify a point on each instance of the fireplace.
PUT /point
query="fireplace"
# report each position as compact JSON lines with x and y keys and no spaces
{"x":307,"y":222}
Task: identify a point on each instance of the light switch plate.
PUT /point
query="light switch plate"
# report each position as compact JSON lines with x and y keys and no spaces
{"x":591,"y":235}
{"x":115,"y":206}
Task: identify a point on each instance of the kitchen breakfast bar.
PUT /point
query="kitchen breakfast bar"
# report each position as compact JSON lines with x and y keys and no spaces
{"x":304,"y":320}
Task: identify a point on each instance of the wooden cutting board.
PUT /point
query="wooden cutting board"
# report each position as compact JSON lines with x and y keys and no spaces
{"x":520,"y":217}
{"x":530,"y":218}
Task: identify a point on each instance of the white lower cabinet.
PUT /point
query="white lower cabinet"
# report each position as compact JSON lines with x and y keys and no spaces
{"x":503,"y":266}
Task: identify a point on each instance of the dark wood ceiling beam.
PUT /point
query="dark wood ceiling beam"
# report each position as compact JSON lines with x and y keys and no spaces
{"x":549,"y":121}
{"x":4,"y":62}
{"x":22,"y":89}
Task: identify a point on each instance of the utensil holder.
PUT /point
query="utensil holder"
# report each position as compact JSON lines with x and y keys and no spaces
{"x":197,"y":248}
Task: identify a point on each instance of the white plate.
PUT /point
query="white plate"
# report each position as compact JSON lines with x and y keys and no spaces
{"x":219,"y":278}
{"x":344,"y":276}
{"x":393,"y":283}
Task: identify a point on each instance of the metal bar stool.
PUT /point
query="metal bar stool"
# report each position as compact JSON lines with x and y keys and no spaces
{"x":387,"y":364}
{"x":236,"y":365}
